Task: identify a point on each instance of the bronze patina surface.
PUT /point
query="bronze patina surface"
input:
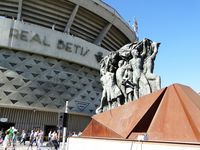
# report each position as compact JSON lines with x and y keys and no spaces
{"x":170,"y":114}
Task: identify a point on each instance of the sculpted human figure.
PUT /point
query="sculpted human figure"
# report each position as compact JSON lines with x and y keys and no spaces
{"x":109,"y":62}
{"x":129,"y":86}
{"x":110,"y":90}
{"x":103,"y":65}
{"x":122,"y":79}
{"x":136,"y":65}
{"x":152,"y":50}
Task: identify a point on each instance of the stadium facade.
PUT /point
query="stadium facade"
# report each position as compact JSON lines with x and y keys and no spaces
{"x":49,"y":54}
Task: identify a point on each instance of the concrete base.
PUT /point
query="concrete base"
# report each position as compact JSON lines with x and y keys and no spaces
{"x":78,"y":143}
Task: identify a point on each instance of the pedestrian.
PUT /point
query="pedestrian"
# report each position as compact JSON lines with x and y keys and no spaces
{"x":35,"y":137}
{"x":40,"y":139}
{"x":6,"y":140}
{"x":11,"y":132}
{"x":14,"y":138}
{"x":49,"y":135}
{"x":31,"y":138}
{"x":1,"y":137}
{"x":23,"y":135}
{"x":2,"y":133}
{"x":55,"y":140}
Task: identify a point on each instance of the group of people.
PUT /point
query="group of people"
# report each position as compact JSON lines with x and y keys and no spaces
{"x":8,"y":138}
{"x":12,"y":135}
{"x":127,"y":73}
{"x":37,"y":137}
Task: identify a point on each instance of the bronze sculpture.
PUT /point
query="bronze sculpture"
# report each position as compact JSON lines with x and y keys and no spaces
{"x":127,"y":74}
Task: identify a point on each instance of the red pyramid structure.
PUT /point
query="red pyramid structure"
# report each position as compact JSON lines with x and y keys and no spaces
{"x":170,"y":114}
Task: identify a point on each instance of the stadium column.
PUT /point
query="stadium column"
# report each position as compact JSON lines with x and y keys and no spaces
{"x":71,"y":19}
{"x":19,"y":10}
{"x":102,"y":34}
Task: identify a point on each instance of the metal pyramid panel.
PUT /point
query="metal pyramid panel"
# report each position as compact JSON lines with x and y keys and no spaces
{"x":170,"y":114}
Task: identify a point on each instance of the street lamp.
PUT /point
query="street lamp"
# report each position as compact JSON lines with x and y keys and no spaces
{"x":65,"y":122}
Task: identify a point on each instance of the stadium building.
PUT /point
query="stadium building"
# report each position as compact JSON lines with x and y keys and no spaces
{"x":49,"y":55}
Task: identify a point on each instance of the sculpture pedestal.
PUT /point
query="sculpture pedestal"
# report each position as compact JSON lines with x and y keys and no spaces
{"x":159,"y":115}
{"x":79,"y":143}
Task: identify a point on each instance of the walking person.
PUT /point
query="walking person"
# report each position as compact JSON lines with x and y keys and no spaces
{"x":40,"y":139}
{"x":35,"y":137}
{"x":6,"y":141}
{"x":1,"y":137}
{"x":31,"y":139}
{"x":23,"y":135}
{"x":14,"y":139}
{"x":11,"y":132}
{"x":2,"y":134}
{"x":55,"y":140}
{"x":49,"y":135}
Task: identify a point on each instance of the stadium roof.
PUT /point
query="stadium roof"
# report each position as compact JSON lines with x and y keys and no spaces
{"x":91,"y":20}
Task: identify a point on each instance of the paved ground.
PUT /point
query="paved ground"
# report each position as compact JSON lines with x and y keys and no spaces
{"x":26,"y":147}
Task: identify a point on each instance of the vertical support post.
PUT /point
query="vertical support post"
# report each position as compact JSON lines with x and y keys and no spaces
{"x":19,"y":10}
{"x":64,"y":128}
{"x":71,"y":19}
{"x":103,"y":33}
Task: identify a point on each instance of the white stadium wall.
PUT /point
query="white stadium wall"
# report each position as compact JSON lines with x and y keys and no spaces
{"x":43,"y":41}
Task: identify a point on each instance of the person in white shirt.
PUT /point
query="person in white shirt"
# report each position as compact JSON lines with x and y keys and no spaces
{"x":6,"y":141}
{"x":23,"y":135}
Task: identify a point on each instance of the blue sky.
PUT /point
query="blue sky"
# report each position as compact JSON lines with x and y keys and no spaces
{"x":174,"y":23}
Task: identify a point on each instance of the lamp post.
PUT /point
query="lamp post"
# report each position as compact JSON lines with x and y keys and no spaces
{"x":64,"y":127}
